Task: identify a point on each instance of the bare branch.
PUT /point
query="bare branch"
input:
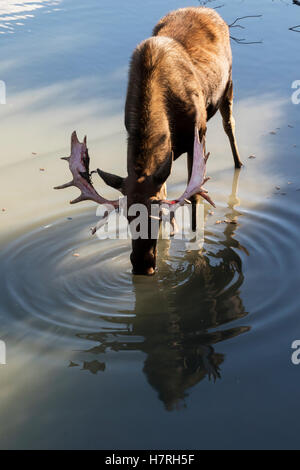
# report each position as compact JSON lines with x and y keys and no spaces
{"x":235,"y":25}
{"x":294,"y":28}
{"x":242,"y":18}
{"x":205,"y":2}
{"x":243,"y":41}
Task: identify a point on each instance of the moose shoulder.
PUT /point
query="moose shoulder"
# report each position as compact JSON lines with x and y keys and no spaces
{"x":178,"y":79}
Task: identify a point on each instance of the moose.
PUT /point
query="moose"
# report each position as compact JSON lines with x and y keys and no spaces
{"x":178,"y":79}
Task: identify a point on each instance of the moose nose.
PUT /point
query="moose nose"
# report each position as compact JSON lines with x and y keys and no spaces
{"x":145,"y":272}
{"x":143,"y":267}
{"x":149,"y":271}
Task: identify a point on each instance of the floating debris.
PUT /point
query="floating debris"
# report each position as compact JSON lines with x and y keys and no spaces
{"x":33,"y":153}
{"x":277,"y":187}
{"x":283,"y":194}
{"x":228,"y":221}
{"x":3,"y":209}
{"x":70,"y":218}
{"x":73,"y":364}
{"x":292,"y":127}
{"x":42,"y":169}
{"x":252,"y":156}
{"x":273,"y":133}
{"x":210,"y":212}
{"x":76,"y":255}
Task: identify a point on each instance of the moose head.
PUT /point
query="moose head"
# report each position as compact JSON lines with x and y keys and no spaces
{"x":145,"y":190}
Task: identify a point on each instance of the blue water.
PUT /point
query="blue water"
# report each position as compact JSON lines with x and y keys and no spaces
{"x":199,"y":356}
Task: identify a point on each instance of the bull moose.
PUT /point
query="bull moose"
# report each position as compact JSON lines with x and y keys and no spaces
{"x":178,"y":79}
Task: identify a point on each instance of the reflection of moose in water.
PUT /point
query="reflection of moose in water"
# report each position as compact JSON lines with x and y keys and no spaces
{"x":190,"y":295}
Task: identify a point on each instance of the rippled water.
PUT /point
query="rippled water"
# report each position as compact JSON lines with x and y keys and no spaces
{"x":198,"y":356}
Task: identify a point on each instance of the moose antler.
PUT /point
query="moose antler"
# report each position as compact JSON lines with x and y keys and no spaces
{"x":79,"y":163}
{"x":198,"y":176}
{"x":195,"y":185}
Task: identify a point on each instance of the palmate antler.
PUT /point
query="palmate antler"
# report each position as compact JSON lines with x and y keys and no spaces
{"x":79,"y":166}
{"x":195,"y":186}
{"x":198,"y":177}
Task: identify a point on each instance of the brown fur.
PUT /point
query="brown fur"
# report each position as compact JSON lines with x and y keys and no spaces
{"x":178,"y":78}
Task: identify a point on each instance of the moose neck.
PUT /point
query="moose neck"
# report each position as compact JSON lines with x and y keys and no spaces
{"x":149,"y":136}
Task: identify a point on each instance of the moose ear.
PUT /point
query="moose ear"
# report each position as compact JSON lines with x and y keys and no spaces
{"x":111,"y":180}
{"x":164,"y":170}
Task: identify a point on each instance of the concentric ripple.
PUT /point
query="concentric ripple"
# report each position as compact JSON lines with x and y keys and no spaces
{"x":60,"y":279}
{"x":59,"y":276}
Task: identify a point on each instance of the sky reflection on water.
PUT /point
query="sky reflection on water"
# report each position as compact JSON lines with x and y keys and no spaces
{"x":200,"y":352}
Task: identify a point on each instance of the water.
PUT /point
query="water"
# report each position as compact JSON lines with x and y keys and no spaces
{"x":199,"y":356}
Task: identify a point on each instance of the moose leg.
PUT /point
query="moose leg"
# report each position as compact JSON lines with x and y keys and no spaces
{"x":196,"y":197}
{"x":196,"y":161}
{"x":172,"y":219}
{"x":229,"y":123}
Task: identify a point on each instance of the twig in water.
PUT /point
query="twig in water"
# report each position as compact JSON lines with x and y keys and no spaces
{"x":205,"y":2}
{"x":243,"y":41}
{"x":294,"y":28}
{"x":242,"y":18}
{"x":235,"y":25}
